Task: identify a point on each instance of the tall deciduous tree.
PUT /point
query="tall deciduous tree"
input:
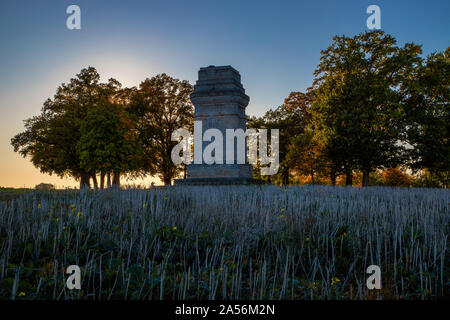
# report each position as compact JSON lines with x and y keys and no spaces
{"x":305,"y":155}
{"x":109,"y":144}
{"x":291,"y":119}
{"x":52,"y":138}
{"x":160,"y":106}
{"x":358,"y":106}
{"x":428,"y":113}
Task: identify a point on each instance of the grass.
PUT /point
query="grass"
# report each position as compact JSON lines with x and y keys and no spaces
{"x":226,"y":242}
{"x":11,"y":193}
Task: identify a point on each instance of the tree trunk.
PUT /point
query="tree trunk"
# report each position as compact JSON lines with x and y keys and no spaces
{"x":167,"y":181}
{"x":94,"y":181}
{"x":84,"y":180}
{"x":285,"y":176}
{"x":102,"y":180}
{"x":365,"y":178}
{"x":348,"y":177}
{"x":108,"y":180}
{"x":333,"y":177}
{"x":116,"y":179}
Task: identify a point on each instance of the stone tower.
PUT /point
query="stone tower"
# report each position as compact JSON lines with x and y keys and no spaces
{"x":220,"y":101}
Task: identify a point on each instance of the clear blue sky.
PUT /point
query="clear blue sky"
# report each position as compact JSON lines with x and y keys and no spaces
{"x":275,"y":45}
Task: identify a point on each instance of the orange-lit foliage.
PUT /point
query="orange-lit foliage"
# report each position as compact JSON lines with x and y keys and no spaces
{"x":307,"y":179}
{"x":357,"y":177}
{"x":396,"y":177}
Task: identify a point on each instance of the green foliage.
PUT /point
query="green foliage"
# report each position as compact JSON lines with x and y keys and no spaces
{"x":108,"y":143}
{"x":358,"y":108}
{"x":52,"y":139}
{"x":428,"y":116}
{"x":160,"y":106}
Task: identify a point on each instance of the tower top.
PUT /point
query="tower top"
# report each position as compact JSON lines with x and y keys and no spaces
{"x":219,"y":81}
{"x":218,"y":73}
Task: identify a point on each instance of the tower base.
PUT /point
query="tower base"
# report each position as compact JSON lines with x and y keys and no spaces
{"x":218,"y":181}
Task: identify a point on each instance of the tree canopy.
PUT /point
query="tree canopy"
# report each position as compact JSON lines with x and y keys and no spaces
{"x":160,"y":106}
